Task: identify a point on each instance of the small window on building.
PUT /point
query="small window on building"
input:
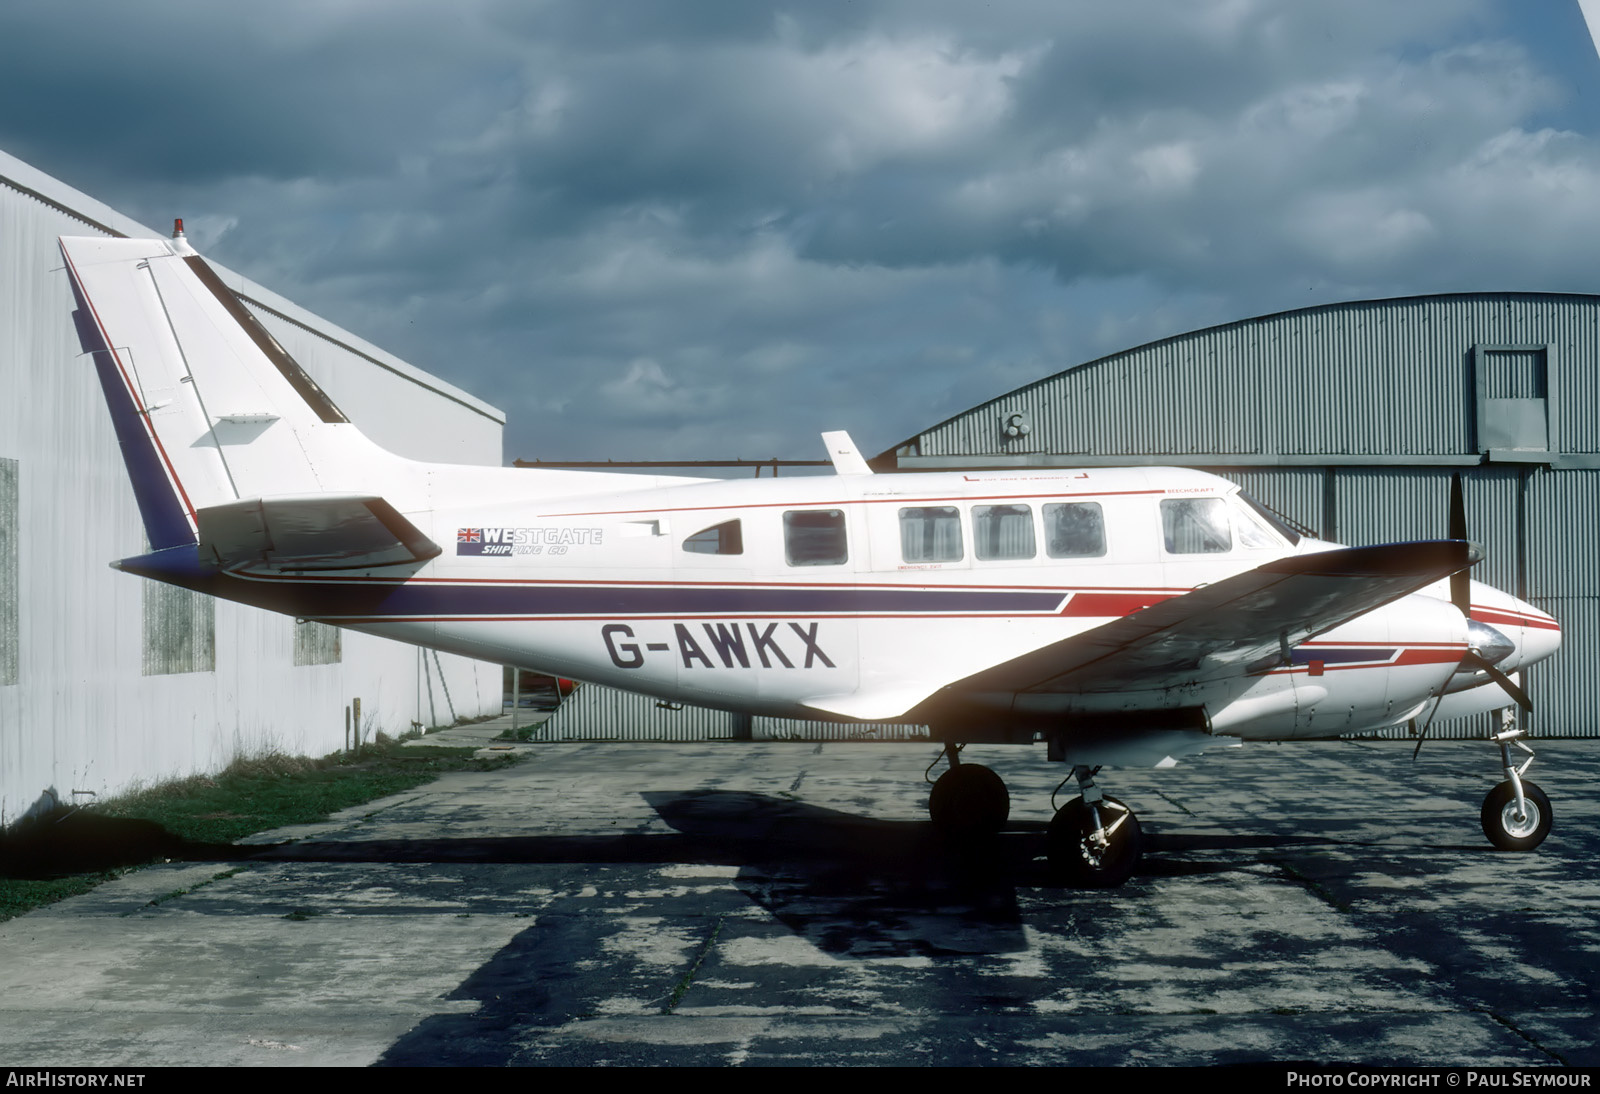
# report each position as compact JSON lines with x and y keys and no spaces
{"x":316,"y":644}
{"x":180,"y":630}
{"x":930,"y":534}
{"x":1075,"y":529}
{"x":1195,"y":526}
{"x":726,"y":538}
{"x":814,"y":537}
{"x":1002,"y":532}
{"x":1515,"y":396}
{"x":10,"y":588}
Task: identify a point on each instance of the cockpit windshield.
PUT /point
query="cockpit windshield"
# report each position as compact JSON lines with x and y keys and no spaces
{"x":1288,"y":529}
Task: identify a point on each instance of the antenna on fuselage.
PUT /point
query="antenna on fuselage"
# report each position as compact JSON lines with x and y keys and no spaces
{"x":846,"y":457}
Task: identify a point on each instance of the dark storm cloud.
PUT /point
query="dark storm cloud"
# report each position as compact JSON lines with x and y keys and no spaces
{"x":715,"y":228}
{"x":203,"y":92}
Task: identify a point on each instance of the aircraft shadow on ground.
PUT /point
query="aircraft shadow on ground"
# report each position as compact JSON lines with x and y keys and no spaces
{"x":82,"y":841}
{"x":855,"y":887}
{"x":763,"y":835}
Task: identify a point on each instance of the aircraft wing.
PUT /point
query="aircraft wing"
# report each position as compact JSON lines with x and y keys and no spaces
{"x":315,"y":532}
{"x":1235,"y":626}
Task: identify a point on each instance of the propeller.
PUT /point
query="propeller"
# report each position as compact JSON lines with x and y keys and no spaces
{"x":1460,"y":581}
{"x":1461,"y":597}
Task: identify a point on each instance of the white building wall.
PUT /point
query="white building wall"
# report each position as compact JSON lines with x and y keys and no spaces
{"x":81,"y":719}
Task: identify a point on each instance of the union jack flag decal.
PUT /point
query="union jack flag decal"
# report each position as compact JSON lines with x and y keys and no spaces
{"x":469,"y":535}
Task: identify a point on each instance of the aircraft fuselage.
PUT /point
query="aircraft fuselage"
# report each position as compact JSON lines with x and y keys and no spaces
{"x":858,"y":597}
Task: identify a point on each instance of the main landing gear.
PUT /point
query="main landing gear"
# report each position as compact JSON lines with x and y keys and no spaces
{"x":1516,"y":814}
{"x":1094,"y":840}
{"x":969,"y":800}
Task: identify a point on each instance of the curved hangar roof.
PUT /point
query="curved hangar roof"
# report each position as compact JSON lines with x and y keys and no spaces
{"x":1450,"y":379}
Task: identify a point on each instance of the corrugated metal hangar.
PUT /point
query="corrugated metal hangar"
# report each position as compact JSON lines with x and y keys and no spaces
{"x":108,"y":680}
{"x":1350,"y":419}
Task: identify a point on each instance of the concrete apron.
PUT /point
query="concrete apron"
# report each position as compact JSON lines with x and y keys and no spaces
{"x":788,"y":903}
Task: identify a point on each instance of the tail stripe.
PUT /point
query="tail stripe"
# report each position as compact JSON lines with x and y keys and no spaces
{"x":298,"y":378}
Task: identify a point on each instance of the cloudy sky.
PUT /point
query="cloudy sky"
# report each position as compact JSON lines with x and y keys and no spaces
{"x":714,"y":228}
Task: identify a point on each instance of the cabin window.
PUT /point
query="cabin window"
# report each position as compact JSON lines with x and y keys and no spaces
{"x":1075,"y":529}
{"x":930,"y":534}
{"x":726,"y":538}
{"x":1195,"y":526}
{"x":814,"y":537}
{"x":1001,"y":532}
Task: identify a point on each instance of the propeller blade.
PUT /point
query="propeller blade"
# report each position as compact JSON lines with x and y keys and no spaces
{"x":1507,"y":685}
{"x":1460,"y":582}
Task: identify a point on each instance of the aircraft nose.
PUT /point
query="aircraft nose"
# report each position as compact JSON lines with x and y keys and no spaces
{"x":1499,"y":618}
{"x":1541,"y":636}
{"x":1536,"y":635}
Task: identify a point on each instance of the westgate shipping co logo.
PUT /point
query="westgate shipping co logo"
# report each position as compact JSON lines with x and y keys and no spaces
{"x":505,"y":542}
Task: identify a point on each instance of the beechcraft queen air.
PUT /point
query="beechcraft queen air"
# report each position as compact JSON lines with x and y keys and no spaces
{"x":1118,"y":616}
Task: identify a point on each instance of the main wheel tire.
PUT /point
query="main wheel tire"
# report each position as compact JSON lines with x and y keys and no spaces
{"x":1074,"y":853}
{"x":969,"y":800}
{"x":1505,"y":828}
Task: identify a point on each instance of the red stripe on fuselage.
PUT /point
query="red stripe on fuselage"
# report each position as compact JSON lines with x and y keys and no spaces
{"x":847,"y":501}
{"x":1113,"y":605}
{"x":1504,"y":618}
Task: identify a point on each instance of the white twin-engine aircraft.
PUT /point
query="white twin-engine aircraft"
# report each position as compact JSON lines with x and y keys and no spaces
{"x":1120,"y":616}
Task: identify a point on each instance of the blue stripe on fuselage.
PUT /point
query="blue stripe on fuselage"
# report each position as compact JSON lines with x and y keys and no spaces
{"x":375,"y":601}
{"x":1341,"y":655}
{"x":633,"y":600}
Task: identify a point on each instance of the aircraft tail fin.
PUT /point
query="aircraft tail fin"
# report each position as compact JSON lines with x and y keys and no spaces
{"x":208,"y":407}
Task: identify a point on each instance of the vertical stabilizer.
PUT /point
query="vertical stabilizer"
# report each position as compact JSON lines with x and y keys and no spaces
{"x":208,"y":407}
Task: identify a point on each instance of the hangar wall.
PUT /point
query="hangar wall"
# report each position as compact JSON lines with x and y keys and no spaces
{"x":107,"y":680}
{"x":1351,"y":418}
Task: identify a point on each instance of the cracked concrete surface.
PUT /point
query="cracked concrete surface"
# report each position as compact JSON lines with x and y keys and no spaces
{"x":787,"y":903}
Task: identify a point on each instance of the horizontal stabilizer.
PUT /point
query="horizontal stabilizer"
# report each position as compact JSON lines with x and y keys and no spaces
{"x":315,"y":532}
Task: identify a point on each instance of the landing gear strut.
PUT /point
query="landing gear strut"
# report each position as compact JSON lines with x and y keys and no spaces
{"x":1516,"y":814}
{"x":969,"y":799}
{"x":1094,"y":839}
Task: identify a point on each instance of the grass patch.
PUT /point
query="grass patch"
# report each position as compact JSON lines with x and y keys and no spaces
{"x":687,"y":979}
{"x":179,"y":819}
{"x":273,"y":791}
{"x":21,"y":895}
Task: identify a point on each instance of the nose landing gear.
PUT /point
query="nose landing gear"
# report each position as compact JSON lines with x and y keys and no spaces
{"x":1516,"y":814}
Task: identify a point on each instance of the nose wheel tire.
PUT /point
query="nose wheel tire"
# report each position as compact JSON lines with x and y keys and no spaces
{"x":1097,"y":855}
{"x":969,"y":800}
{"x":1511,"y":829}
